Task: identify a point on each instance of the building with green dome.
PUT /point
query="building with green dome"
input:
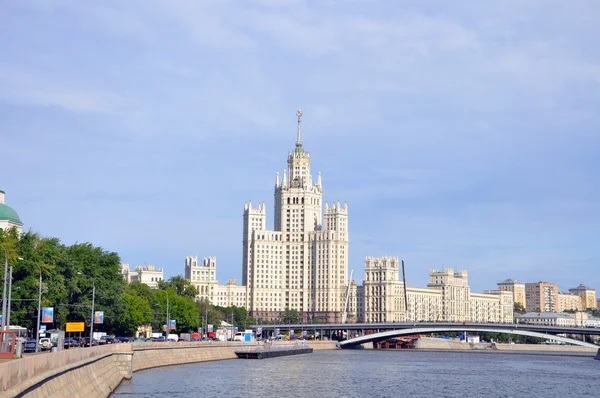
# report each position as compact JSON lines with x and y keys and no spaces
{"x":8,"y":216}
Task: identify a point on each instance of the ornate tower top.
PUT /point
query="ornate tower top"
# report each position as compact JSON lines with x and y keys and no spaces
{"x":299,"y":148}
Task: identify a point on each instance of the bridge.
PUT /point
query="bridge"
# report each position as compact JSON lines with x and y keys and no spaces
{"x":381,"y":331}
{"x":356,"y":341}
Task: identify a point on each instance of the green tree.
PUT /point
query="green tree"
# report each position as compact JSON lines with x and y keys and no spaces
{"x":518,"y":308}
{"x":182,"y":286}
{"x":136,"y":311}
{"x":290,"y":316}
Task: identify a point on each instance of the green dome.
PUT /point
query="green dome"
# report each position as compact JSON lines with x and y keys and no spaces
{"x":7,"y":213}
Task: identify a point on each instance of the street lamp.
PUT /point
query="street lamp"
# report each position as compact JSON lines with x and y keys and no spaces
{"x":93,"y":301}
{"x":37,"y":332}
{"x":9,"y":297}
{"x":4,"y":291}
{"x":167,"y":326}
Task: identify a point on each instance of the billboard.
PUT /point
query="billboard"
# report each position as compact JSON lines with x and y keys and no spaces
{"x":172,"y":324}
{"x":209,"y":328}
{"x":48,"y":315}
{"x":99,"y":317}
{"x":75,"y":327}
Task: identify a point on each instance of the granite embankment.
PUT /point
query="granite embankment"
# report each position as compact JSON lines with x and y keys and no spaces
{"x":428,"y":343}
{"x":83,"y":372}
{"x":96,"y":372}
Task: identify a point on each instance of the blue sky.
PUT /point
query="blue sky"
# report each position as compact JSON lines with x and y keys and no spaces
{"x":461,"y":134}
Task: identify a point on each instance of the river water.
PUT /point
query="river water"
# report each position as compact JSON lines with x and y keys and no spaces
{"x":376,"y":373}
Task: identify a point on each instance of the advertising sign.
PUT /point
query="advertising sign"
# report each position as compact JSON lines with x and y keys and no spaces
{"x":75,"y":327}
{"x":210,"y":328}
{"x":172,"y":324}
{"x":99,"y":317}
{"x":258,"y":331}
{"x":48,"y":315}
{"x":235,"y":329}
{"x":199,"y":330}
{"x":42,"y":329}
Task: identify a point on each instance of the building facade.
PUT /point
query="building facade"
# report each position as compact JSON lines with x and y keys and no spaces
{"x":303,"y":263}
{"x":541,"y":297}
{"x":383,"y":292}
{"x":587,"y":295}
{"x":203,"y":276}
{"x":567,"y":301}
{"x":146,"y":274}
{"x":8,"y":216}
{"x":447,"y":297}
{"x":516,"y":288}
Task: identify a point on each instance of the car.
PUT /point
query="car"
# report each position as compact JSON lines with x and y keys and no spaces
{"x":86,"y":342}
{"x":29,"y":346}
{"x":68,"y":343}
{"x":45,"y":343}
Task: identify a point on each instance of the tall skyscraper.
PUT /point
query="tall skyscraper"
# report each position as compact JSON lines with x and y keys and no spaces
{"x":303,"y":263}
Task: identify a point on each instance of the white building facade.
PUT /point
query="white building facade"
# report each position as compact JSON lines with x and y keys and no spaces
{"x":146,"y":274}
{"x":447,"y":297}
{"x":303,"y":263}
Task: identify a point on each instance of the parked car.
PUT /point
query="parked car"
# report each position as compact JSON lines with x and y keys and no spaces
{"x":29,"y":346}
{"x":45,"y":343}
{"x":70,"y":343}
{"x":86,"y":342}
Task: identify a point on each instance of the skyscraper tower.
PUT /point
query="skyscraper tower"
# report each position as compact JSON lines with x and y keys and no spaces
{"x":302,"y":264}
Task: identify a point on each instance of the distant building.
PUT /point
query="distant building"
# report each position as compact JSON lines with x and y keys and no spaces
{"x":145,"y":274}
{"x":230,"y":295}
{"x":203,"y":276}
{"x":547,"y":319}
{"x":447,"y":297}
{"x":587,"y":295}
{"x":541,"y":297}
{"x":568,"y":301}
{"x":516,"y":288}
{"x":8,"y":216}
{"x":578,"y":319}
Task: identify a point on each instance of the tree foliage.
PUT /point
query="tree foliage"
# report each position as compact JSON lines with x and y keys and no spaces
{"x":290,"y":316}
{"x":518,"y":308}
{"x":73,"y":275}
{"x":69,"y":275}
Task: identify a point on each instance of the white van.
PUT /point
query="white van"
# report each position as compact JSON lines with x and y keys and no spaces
{"x":239,"y":336}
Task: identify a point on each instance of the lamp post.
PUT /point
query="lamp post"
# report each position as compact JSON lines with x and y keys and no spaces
{"x":9,"y":297}
{"x":93,"y":302}
{"x":39,"y":317}
{"x":167,"y":325}
{"x":4,"y":291}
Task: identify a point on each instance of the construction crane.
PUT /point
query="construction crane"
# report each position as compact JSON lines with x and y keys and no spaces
{"x":345,"y":313}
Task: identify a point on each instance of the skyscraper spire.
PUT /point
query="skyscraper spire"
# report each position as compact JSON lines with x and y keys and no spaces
{"x":299,"y":135}
{"x":299,"y":150}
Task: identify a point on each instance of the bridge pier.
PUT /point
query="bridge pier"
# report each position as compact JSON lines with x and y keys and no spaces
{"x":597,"y":355}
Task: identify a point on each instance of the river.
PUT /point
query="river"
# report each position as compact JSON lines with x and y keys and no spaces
{"x":376,"y":373}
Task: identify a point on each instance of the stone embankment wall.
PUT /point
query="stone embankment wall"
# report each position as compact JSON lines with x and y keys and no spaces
{"x":152,"y":355}
{"x":90,"y":372}
{"x":96,"y":372}
{"x":429,"y":343}
{"x":322,"y":344}
{"x":544,"y":347}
